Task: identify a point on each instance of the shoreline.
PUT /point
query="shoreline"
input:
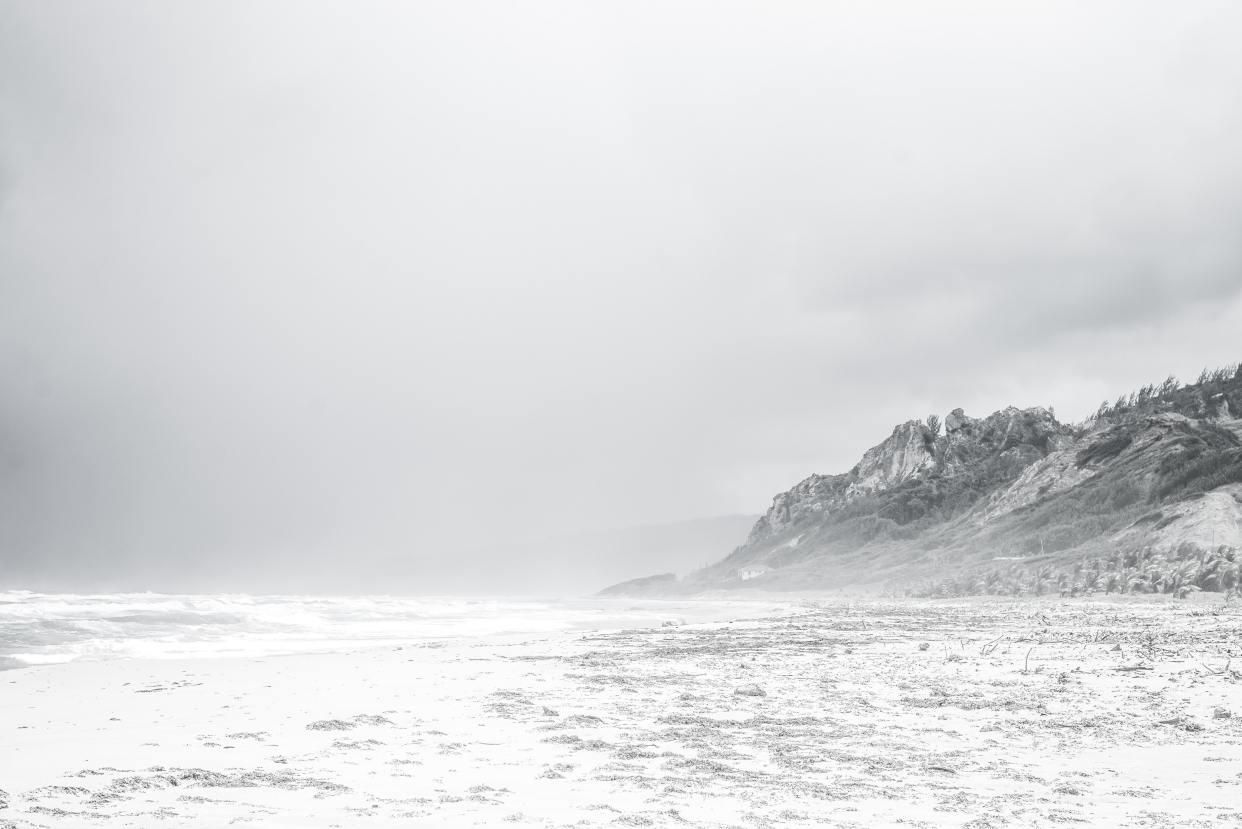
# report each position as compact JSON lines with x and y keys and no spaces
{"x":863,"y":713}
{"x":92,"y":627}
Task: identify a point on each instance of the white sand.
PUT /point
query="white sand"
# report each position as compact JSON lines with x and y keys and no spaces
{"x":859,"y":726}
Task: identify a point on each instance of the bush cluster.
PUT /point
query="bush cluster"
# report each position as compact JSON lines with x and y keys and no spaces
{"x":1188,"y":569}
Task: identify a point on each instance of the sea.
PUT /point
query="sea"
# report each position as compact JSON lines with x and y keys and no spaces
{"x":45,"y":628}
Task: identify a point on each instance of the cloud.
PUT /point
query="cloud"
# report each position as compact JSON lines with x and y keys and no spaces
{"x":280,"y":283}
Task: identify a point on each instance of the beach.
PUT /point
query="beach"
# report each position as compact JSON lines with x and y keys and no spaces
{"x":799,"y":712}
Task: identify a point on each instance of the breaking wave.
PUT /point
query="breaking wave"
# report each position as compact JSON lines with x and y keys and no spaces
{"x":41,"y":628}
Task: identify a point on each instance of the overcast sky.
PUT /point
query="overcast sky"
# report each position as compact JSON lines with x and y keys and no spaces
{"x":408,"y":279}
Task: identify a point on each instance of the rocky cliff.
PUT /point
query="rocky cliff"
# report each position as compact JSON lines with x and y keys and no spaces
{"x":1157,"y":474}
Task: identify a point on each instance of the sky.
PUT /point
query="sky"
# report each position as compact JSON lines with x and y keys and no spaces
{"x":302,"y":284}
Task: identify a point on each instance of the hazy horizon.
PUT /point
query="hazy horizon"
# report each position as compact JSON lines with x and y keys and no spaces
{"x":285,"y":288}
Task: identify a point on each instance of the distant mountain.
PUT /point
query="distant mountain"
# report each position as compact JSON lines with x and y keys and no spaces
{"x":658,"y":585}
{"x":1146,"y":496}
{"x":580,"y":563}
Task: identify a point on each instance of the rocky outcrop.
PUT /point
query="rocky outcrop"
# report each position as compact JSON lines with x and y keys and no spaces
{"x":955,"y":421}
{"x":1046,"y":477}
{"x":910,"y":453}
{"x":1010,"y":486}
{"x":909,"y":450}
{"x":809,"y":498}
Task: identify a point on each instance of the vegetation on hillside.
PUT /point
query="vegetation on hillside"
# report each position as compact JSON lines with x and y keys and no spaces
{"x":1155,"y":447}
{"x":1187,"y":570}
{"x":988,"y":455}
{"x":1193,"y":457}
{"x":1200,"y":399}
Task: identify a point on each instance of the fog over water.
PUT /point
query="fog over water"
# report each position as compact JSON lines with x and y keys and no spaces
{"x":299,"y":295}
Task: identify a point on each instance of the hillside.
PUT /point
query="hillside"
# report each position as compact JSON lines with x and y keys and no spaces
{"x":1145,"y":496}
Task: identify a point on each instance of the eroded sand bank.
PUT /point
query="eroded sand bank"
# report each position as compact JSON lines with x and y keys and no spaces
{"x":979,"y":714}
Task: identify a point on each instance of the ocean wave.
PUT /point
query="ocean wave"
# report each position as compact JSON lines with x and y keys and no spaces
{"x":39,"y":628}
{"x":48,"y":627}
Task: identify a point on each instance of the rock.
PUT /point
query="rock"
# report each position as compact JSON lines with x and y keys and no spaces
{"x":903,"y":455}
{"x":912,"y":453}
{"x":751,"y":690}
{"x":329,"y":725}
{"x":924,"y":646}
{"x":1013,"y":482}
{"x":955,"y":420}
{"x":1221,"y":714}
{"x":550,"y":712}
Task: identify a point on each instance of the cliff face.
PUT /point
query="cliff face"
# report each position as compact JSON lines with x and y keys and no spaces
{"x":909,"y":450}
{"x":913,"y":452}
{"x":1158,"y":470}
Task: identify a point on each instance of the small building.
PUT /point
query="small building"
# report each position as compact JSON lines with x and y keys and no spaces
{"x":754,"y":571}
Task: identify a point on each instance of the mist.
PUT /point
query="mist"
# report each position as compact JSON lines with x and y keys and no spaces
{"x":294,"y":295}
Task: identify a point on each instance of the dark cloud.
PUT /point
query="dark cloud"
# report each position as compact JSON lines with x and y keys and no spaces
{"x":279,"y":283}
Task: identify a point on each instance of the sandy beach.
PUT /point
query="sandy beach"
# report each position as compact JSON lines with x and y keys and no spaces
{"x":966,"y":714}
